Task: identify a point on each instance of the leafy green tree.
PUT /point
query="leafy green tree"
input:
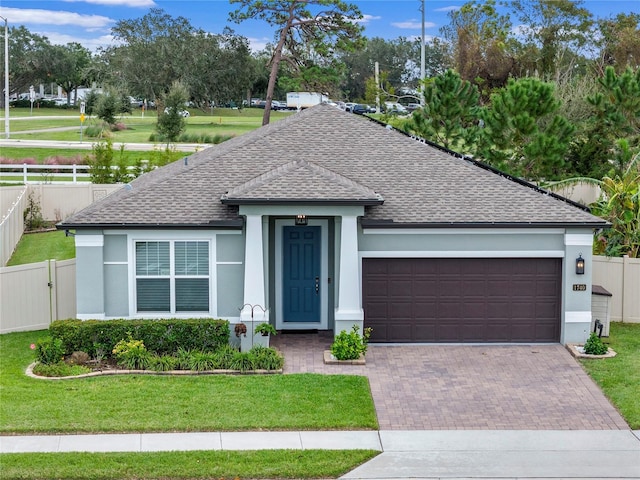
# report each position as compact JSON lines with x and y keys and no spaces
{"x":171,"y":123}
{"x":551,"y":29}
{"x":108,"y":107}
{"x":450,"y":114}
{"x":323,"y":27}
{"x":69,"y":65}
{"x":29,"y":56}
{"x":479,"y":35}
{"x":523,"y":134}
{"x":619,"y":203}
{"x":620,"y":42}
{"x":614,"y":115}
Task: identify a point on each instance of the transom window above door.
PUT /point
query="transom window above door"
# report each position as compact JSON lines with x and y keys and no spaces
{"x":172,"y":276}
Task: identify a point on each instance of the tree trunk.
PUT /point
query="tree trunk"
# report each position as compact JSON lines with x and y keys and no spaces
{"x":275,"y":64}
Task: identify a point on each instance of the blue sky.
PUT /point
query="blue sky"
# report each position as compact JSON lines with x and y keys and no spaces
{"x":89,"y":21}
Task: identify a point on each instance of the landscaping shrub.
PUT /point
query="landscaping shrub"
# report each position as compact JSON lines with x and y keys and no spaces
{"x":49,"y":350}
{"x":159,"y":336}
{"x":242,"y":361}
{"x":350,"y":345}
{"x":60,"y":369}
{"x":266,"y":358}
{"x":594,"y":345}
{"x":200,"y":361}
{"x":132,"y":354}
{"x":162,"y":363}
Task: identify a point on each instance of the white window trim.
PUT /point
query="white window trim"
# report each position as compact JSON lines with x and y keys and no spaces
{"x":160,"y":237}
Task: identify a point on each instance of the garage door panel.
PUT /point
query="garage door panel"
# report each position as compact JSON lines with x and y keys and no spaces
{"x":378,"y":288}
{"x":400,"y":288}
{"x":462,"y":300}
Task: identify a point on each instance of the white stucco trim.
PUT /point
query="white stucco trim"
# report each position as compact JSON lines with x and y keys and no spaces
{"x":89,"y":240}
{"x":349,"y":301}
{"x":91,"y":316}
{"x":254,"y":271}
{"x":324,"y":275}
{"x":578,"y":239}
{"x":577,"y":317}
{"x":462,"y":231}
{"x":463,"y":254}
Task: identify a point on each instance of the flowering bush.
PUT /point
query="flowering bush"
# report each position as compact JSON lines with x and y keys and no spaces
{"x":132,"y":354}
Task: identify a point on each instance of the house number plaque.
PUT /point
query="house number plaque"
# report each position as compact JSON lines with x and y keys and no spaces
{"x":579,"y":287}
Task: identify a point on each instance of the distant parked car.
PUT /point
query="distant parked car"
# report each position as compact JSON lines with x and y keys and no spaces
{"x":278,"y":105}
{"x":182,"y":113}
{"x":413,"y":106}
{"x":360,"y":109}
{"x":349,"y":105}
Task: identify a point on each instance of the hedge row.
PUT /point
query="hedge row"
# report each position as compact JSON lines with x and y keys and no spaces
{"x":162,"y":337}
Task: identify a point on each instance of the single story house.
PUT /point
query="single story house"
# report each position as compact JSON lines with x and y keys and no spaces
{"x":327,"y":219}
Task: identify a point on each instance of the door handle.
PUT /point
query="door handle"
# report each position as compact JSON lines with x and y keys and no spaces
{"x":317,"y":285}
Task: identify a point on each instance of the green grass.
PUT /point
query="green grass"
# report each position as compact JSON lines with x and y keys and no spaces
{"x":181,"y":465}
{"x":37,"y":247}
{"x":217,"y":121}
{"x":619,"y":377}
{"x":144,"y":403}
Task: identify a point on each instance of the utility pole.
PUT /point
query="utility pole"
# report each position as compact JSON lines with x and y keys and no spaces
{"x":422,"y":58}
{"x":377,"y":78}
{"x":6,"y":77}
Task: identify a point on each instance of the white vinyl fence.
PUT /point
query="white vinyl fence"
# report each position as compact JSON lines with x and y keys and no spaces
{"x":13,"y":201}
{"x":621,"y":277}
{"x":36,"y":294}
{"x":57,"y":201}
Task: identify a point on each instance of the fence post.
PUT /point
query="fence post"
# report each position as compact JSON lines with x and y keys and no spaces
{"x":24,"y":173}
{"x":74,"y":173}
{"x":53,"y":307}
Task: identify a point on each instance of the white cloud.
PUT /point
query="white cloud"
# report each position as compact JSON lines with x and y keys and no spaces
{"x":120,"y":3}
{"x":258,"y":44}
{"x":92,"y":44}
{"x":19,"y":16}
{"x":367,"y":18}
{"x":447,"y":9}
{"x":413,"y":24}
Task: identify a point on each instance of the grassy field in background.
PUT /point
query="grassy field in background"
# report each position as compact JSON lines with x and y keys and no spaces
{"x":38,"y":247}
{"x":139,"y":128}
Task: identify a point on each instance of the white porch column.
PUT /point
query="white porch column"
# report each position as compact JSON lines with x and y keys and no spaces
{"x":254,"y":275}
{"x":349,"y":305}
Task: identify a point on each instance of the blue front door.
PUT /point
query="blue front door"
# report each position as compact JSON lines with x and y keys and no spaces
{"x":301,"y":275}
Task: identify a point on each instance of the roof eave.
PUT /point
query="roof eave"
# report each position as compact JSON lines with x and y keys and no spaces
{"x":270,"y":201}
{"x":233,"y":224}
{"x":366,"y":223}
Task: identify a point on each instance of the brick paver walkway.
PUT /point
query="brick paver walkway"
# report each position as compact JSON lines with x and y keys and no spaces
{"x":441,"y":387}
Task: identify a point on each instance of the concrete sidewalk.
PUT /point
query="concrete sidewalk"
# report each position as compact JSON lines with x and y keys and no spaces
{"x":532,"y":454}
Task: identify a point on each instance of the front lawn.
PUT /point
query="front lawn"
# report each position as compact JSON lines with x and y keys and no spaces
{"x":619,"y":377}
{"x":181,"y":465}
{"x":146,"y":403}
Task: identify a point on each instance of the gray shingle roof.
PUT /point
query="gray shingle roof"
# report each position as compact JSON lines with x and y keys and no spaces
{"x":325,"y":154}
{"x":301,"y":182}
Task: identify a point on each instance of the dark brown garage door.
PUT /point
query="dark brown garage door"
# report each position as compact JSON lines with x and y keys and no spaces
{"x":462,"y":299}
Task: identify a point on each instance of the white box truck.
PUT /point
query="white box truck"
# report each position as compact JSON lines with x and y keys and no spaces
{"x":299,"y":100}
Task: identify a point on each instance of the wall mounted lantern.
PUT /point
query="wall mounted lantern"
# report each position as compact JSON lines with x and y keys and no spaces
{"x":580,"y":265}
{"x":301,"y":219}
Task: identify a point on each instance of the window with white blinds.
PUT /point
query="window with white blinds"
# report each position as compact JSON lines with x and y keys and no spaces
{"x":172,"y":276}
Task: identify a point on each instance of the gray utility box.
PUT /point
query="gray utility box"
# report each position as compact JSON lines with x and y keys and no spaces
{"x":601,"y":308}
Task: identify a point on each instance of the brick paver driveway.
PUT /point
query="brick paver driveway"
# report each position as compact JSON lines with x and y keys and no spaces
{"x":418,"y":387}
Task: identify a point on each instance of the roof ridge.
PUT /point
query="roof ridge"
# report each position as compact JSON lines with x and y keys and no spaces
{"x":294,"y":165}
